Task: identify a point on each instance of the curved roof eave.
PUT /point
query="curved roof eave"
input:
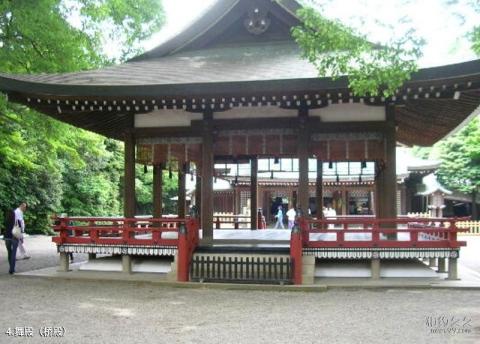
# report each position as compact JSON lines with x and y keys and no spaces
{"x":11,"y":84}
{"x":22,"y":84}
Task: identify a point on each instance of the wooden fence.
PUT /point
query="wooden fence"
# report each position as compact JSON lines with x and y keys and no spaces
{"x":473,"y":226}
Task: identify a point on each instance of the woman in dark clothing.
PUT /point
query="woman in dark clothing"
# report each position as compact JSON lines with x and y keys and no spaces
{"x":10,"y":241}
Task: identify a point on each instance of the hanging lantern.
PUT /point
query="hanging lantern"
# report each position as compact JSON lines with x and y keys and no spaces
{"x":338,"y":178}
{"x":277,"y":160}
{"x":330,"y":164}
{"x":364,"y":164}
{"x":170,"y":175}
{"x":145,"y":169}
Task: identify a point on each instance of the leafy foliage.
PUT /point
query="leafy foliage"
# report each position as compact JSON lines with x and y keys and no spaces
{"x":460,"y":155}
{"x":52,"y":166}
{"x":131,"y":21}
{"x":337,"y":50}
{"x":475,"y":34}
{"x":144,"y":189}
{"x":476,"y":40}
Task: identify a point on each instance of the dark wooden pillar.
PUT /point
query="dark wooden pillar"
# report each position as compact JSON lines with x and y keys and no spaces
{"x":235,"y":203}
{"x":253,"y":193}
{"x":379,"y":190}
{"x":319,"y":189}
{"x":129,"y":187}
{"x":207,"y":177}
{"x":390,"y":186}
{"x":303,"y":143}
{"x":198,"y":194}
{"x":387,"y":179}
{"x":157,"y":190}
{"x":181,"y":204}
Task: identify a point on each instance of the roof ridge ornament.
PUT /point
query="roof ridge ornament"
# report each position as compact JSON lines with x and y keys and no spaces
{"x":257,"y":21}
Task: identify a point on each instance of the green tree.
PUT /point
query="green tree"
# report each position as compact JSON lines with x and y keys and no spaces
{"x":144,"y":191}
{"x":475,"y":34}
{"x":337,"y":50}
{"x":50,"y":165}
{"x":460,"y":156}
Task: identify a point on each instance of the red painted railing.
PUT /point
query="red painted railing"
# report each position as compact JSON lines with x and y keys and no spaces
{"x":116,"y":231}
{"x":123,"y":231}
{"x":367,"y":232}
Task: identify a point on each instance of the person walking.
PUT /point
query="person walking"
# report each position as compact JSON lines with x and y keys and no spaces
{"x":19,"y":219}
{"x":279,"y":217}
{"x":291,"y":213}
{"x":11,"y":242}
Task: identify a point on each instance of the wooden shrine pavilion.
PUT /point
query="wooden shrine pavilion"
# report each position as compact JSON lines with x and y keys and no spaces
{"x":233,"y":88}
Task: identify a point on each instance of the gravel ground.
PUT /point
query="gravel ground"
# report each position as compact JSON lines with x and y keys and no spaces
{"x":105,"y":312}
{"x":108,"y":312}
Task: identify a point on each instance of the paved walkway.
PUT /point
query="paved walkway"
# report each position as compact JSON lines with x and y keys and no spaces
{"x":42,"y":251}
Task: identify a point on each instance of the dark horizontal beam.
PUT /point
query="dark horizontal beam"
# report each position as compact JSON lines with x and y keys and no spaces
{"x":314,"y":123}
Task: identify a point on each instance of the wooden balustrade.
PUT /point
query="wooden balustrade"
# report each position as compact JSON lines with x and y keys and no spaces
{"x":228,"y":221}
{"x":152,"y":232}
{"x":113,"y":231}
{"x":372,"y":232}
{"x":472,"y":226}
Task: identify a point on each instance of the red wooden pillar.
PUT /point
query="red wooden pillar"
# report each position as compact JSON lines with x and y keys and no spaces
{"x":183,"y":254}
{"x":296,"y":254}
{"x":260,"y":220}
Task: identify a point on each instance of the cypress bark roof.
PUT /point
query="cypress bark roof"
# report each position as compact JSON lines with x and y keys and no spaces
{"x":217,"y":62}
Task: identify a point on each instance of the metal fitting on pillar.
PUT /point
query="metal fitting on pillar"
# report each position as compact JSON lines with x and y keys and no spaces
{"x":182,"y":229}
{"x":296,"y":228}
{"x":193,"y":212}
{"x":299,"y":212}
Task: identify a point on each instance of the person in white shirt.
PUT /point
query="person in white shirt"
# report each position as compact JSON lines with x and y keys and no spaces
{"x":291,"y":213}
{"x":331,"y":214}
{"x":19,"y":218}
